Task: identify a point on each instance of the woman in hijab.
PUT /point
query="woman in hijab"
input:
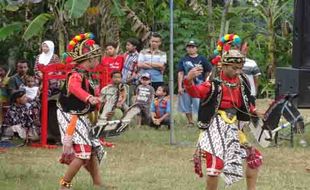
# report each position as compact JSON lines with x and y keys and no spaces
{"x":47,"y":57}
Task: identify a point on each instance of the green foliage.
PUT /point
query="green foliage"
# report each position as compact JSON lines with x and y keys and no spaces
{"x":76,"y":8}
{"x":10,"y":29}
{"x":36,"y":26}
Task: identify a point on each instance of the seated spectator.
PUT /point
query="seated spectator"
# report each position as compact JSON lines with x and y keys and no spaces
{"x":109,"y":91}
{"x":19,"y":118}
{"x":3,"y":92}
{"x":160,"y":108}
{"x":17,"y":80}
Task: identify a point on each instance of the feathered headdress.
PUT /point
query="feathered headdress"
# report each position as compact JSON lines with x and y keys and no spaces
{"x":224,"y":44}
{"x":81,"y":47}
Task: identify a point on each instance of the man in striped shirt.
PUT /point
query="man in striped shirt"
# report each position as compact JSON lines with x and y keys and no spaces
{"x":153,"y":61}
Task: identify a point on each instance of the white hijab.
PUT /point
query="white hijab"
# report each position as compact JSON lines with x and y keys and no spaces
{"x":44,"y":58}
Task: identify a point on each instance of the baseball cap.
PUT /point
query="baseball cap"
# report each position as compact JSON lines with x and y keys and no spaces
{"x":146,"y":75}
{"x":191,"y":43}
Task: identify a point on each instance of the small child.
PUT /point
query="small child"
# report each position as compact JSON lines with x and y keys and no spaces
{"x":160,"y":108}
{"x":32,"y":94}
{"x":144,"y":96}
{"x":108,"y":93}
{"x":31,"y":89}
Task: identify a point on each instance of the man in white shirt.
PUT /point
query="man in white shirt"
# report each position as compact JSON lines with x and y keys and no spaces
{"x":251,"y":70}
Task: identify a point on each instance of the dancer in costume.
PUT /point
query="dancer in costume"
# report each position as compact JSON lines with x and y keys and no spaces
{"x":224,"y":100}
{"x":76,"y":101}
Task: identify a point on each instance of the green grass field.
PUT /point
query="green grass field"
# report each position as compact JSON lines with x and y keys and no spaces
{"x":144,"y":160}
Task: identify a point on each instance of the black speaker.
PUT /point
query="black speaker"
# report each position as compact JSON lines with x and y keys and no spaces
{"x":295,"y":81}
{"x":301,"y":34}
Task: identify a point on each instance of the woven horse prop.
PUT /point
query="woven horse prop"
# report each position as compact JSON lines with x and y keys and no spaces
{"x":266,"y":130}
{"x":106,"y":127}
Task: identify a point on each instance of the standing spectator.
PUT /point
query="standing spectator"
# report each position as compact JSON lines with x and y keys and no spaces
{"x":47,"y":57}
{"x":251,"y":70}
{"x":153,"y":61}
{"x":130,"y":70}
{"x":17,"y":80}
{"x":186,"y":103}
{"x":144,"y":96}
{"x":110,"y":62}
{"x":115,"y":87}
{"x":160,"y":108}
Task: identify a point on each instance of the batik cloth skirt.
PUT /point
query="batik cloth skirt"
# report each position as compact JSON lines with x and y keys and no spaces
{"x":83,"y":144}
{"x":221,"y":140}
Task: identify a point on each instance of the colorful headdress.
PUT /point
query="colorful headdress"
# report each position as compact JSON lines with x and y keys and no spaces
{"x":81,"y":47}
{"x":232,"y":56}
{"x":223,"y":45}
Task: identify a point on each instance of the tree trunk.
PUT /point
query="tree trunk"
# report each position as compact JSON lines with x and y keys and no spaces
{"x":109,"y":25}
{"x":271,"y":49}
{"x":224,"y":19}
{"x":142,"y":30}
{"x":211,"y":26}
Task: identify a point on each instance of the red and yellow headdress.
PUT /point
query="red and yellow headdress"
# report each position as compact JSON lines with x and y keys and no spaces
{"x":81,"y":47}
{"x":224,"y":44}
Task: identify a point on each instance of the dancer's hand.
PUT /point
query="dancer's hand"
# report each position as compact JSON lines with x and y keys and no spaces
{"x":94,"y":100}
{"x":68,"y":153}
{"x":260,"y":113}
{"x":194,"y":72}
{"x":109,"y":115}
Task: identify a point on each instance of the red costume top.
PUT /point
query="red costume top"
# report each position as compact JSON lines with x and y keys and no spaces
{"x":231,"y":95}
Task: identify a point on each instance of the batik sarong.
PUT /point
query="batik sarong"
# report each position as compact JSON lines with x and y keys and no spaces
{"x":221,"y":140}
{"x":84,"y":145}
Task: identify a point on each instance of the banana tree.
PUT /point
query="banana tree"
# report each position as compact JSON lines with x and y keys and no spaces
{"x":60,"y":12}
{"x":271,"y":11}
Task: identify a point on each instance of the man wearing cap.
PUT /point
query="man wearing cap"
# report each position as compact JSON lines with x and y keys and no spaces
{"x":77,"y":99}
{"x":153,"y":61}
{"x":186,"y":103}
{"x":19,"y":118}
{"x":223,"y":101}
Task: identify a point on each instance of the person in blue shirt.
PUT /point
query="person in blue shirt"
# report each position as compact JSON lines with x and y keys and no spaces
{"x":187,"y":104}
{"x":160,"y":108}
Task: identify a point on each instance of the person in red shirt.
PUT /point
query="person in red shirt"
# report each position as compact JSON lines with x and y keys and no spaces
{"x":110,"y":62}
{"x":224,"y":100}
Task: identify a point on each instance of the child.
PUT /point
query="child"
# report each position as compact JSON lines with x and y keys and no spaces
{"x":32,"y":94}
{"x":109,"y":93}
{"x":144,"y":96}
{"x":160,"y":108}
{"x":19,"y":118}
{"x":31,"y":89}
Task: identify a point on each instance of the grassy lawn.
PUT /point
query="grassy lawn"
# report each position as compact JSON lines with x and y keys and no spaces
{"x":144,"y":160}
